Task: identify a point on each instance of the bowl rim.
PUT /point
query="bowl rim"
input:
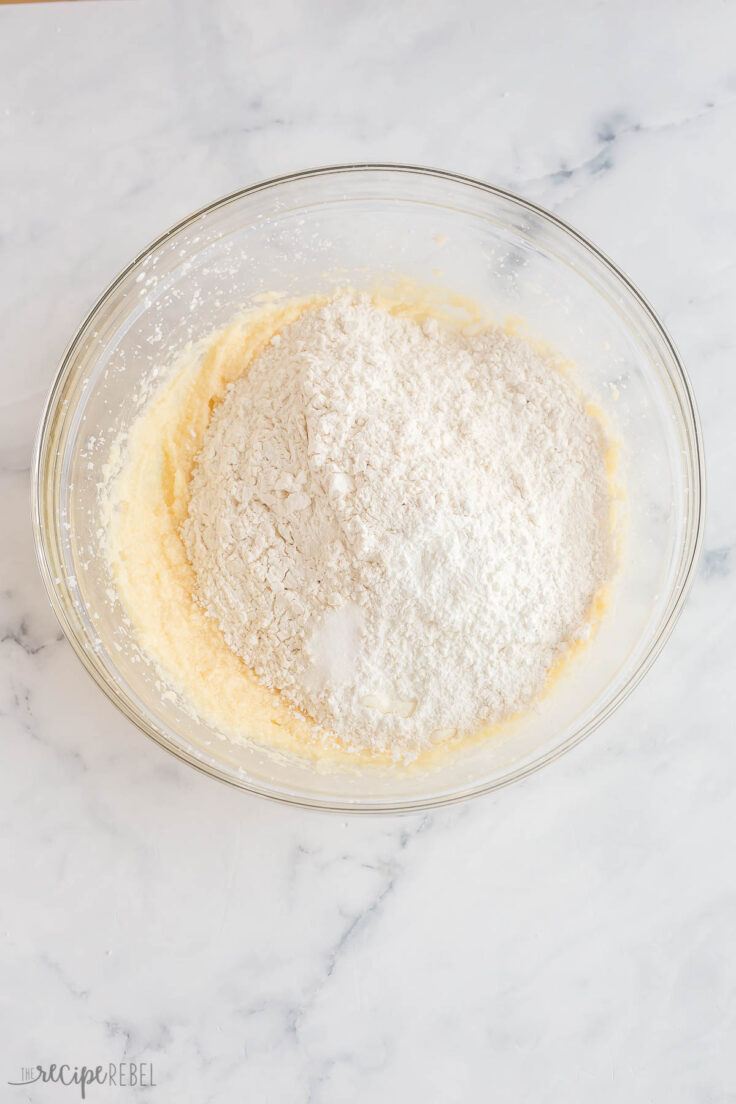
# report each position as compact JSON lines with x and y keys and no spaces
{"x":691,"y":545}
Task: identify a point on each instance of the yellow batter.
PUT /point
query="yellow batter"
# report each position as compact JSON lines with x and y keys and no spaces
{"x":148,"y":501}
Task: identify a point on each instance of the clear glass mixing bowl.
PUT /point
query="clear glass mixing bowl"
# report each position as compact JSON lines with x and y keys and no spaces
{"x":355,"y":224}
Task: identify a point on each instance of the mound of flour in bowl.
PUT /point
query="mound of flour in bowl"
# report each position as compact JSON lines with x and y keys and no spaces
{"x":398,"y":525}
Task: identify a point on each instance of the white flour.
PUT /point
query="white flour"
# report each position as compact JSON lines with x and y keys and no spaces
{"x":400,"y":526}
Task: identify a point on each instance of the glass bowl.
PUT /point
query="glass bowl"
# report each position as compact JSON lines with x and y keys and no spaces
{"x":358,"y":224}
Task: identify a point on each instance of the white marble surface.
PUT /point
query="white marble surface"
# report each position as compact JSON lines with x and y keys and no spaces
{"x":569,"y":939}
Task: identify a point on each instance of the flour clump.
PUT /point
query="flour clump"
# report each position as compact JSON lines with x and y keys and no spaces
{"x":399,"y":525}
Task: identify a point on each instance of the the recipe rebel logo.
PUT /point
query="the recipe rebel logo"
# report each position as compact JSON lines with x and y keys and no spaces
{"x":119,"y":1075}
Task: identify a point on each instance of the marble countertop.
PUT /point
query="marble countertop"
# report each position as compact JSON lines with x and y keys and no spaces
{"x":568,"y":939}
